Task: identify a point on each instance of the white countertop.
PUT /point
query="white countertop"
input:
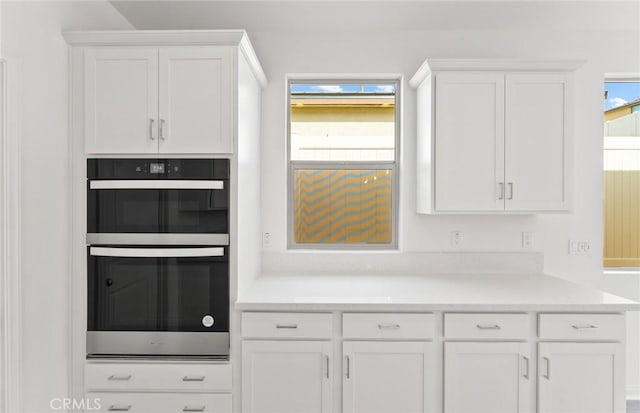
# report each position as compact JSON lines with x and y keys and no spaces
{"x":446,"y":292}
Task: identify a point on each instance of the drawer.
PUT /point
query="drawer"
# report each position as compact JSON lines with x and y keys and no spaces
{"x":171,"y":377}
{"x":388,"y":325}
{"x":581,"y":326}
{"x":158,"y":402}
{"x":287,"y":325}
{"x":486,"y":326}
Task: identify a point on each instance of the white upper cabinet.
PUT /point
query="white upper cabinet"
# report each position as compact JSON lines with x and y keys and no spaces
{"x":121,"y":100}
{"x":469,"y":147}
{"x":159,"y":100}
{"x":163,"y":92}
{"x":537,"y":133}
{"x":196,"y":96}
{"x":494,"y":136}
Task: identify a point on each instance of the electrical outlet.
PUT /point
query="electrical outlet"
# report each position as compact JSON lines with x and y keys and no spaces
{"x":579,"y":247}
{"x":266,"y":239}
{"x":456,"y":239}
{"x":527,"y":240}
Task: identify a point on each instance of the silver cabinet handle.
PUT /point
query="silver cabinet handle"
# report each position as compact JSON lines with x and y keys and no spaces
{"x":162,"y":130}
{"x":119,"y":408}
{"x":488,"y":327}
{"x":547,"y":374}
{"x":526,"y":366}
{"x":287,"y":326}
{"x":193,"y":408}
{"x":348,"y":367}
{"x":510,"y":185}
{"x":388,"y":326}
{"x":501,"y":192}
{"x":193,"y":378}
{"x":583,"y":326}
{"x":327,"y":360}
{"x":120,"y":377}
{"x":151,"y":128}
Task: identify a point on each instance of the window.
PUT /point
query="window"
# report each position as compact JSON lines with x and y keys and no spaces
{"x":622,"y":176}
{"x":343,"y":150}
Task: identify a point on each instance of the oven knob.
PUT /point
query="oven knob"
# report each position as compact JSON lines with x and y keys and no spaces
{"x":207,"y":321}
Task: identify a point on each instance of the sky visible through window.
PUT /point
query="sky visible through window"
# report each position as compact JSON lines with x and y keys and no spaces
{"x":620,"y":93}
{"x":300,"y":88}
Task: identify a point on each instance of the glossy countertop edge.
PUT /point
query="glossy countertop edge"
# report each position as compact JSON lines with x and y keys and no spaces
{"x":433,"y":307}
{"x":549,"y":296}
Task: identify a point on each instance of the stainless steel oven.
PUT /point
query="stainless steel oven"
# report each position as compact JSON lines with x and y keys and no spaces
{"x":158,"y":257}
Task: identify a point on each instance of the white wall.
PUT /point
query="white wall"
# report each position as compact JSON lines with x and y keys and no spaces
{"x":402,"y":53}
{"x":31,"y":41}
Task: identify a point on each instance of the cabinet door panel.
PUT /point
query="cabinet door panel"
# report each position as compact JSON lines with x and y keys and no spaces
{"x":196,"y":99}
{"x":537,"y":136}
{"x":469,"y":143}
{"x":286,"y":376}
{"x":487,"y":377}
{"x":121,"y":100}
{"x":387,"y":377}
{"x":581,"y":377}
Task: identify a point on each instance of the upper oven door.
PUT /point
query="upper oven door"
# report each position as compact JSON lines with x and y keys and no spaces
{"x":124,"y":204}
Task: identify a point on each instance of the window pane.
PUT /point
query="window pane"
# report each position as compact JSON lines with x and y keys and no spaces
{"x":622,"y":174}
{"x":342,"y":122}
{"x":342,"y":206}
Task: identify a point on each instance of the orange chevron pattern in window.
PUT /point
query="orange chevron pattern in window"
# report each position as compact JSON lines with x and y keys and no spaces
{"x":342,"y":206}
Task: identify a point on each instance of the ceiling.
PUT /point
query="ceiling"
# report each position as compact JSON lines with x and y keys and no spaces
{"x":389,"y":15}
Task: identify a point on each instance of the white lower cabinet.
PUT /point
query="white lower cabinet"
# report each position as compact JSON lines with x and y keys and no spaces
{"x":387,"y":377}
{"x":487,"y":377}
{"x":159,"y":403}
{"x":287,"y":376}
{"x":150,"y":387}
{"x":581,"y":378}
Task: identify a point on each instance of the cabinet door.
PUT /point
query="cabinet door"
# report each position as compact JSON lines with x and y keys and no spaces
{"x":537,"y":142}
{"x":121,"y":100}
{"x":581,"y":377}
{"x":388,"y":377}
{"x":469,"y":142}
{"x":196,"y":99}
{"x":286,"y":376}
{"x":487,"y":378}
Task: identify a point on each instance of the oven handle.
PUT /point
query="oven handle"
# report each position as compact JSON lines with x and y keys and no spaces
{"x":156,"y":184}
{"x":156,"y":252}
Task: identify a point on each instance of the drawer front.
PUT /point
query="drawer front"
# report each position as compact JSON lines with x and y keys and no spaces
{"x":171,"y":377}
{"x":158,"y":403}
{"x":287,"y":325}
{"x":581,"y":326}
{"x":486,"y":326}
{"x":400,"y":326}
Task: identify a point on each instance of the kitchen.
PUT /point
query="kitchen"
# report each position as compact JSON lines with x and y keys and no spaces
{"x":36,"y":55}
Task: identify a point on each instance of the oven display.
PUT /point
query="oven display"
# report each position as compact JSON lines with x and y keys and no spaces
{"x":156,"y":168}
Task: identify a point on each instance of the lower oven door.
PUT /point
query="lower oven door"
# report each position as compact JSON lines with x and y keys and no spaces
{"x":171,"y":301}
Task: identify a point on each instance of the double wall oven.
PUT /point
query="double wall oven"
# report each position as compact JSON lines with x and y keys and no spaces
{"x":158,"y":257}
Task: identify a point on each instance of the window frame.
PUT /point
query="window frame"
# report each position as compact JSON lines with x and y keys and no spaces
{"x":293,"y":166}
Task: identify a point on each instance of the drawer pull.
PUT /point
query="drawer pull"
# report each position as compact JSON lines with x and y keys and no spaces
{"x":388,"y":326}
{"x":289,"y":326}
{"x":193,"y":378}
{"x":193,"y":409}
{"x":119,"y":408}
{"x":583,"y":326}
{"x":348,"y":367}
{"x":120,"y":377}
{"x":488,"y":326}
